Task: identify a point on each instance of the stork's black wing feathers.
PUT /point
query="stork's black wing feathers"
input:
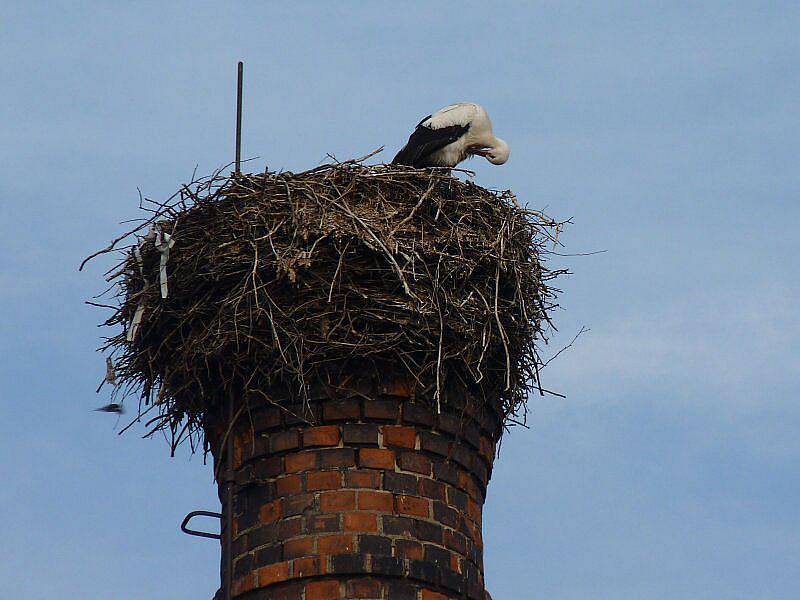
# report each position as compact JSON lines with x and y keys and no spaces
{"x":425,"y":141}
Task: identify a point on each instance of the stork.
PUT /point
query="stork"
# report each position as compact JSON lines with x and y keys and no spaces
{"x":450,"y":135}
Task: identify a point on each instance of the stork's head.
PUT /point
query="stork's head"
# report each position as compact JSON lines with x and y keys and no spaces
{"x":496,"y":152}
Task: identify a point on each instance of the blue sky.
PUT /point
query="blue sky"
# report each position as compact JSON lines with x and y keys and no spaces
{"x":667,"y":130}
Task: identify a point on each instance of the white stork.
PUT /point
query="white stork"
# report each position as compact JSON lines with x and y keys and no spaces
{"x":451,"y":135}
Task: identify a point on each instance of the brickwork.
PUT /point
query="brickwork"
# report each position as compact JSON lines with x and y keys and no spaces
{"x":377,"y":499}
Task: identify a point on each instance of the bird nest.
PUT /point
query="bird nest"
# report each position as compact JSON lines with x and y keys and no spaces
{"x":267,"y":285}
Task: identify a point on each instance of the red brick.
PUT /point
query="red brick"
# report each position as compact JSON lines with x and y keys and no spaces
{"x":376,"y":458}
{"x":427,"y":531}
{"x":394,"y":435}
{"x":431,"y":595}
{"x":364,"y":588}
{"x":398,"y":526}
{"x":284,"y":440}
{"x":487,"y":449}
{"x":260,"y":536}
{"x":400,"y":483}
{"x":270,"y":512}
{"x":416,"y":462}
{"x":474,"y":511}
{"x":274,"y":573}
{"x":302,"y":414}
{"x":384,"y":410}
{"x":455,"y":541}
{"x":244,"y":584}
{"x":326,"y":435}
{"x":466,"y":483}
{"x":322,"y":523}
{"x":479,"y":469}
{"x":432,"y":442}
{"x":266,"y":556}
{"x":267,"y":468}
{"x":323,"y":480}
{"x":323,"y":590}
{"x":449,"y":424}
{"x":290,"y":527}
{"x":302,"y":461}
{"x":438,"y":556}
{"x":360,"y":521}
{"x":360,"y":433}
{"x":417,"y":413}
{"x":401,"y":588}
{"x":298,"y":547}
{"x":381,"y":501}
{"x":337,"y":457}
{"x":337,"y":501}
{"x":297,"y":504}
{"x":474,"y":533}
{"x":236,"y":527}
{"x":457,"y":498}
{"x":398,"y":387}
{"x":260,"y":446}
{"x":464,"y":480}
{"x":455,"y":563}
{"x":309,"y":566}
{"x":238,"y":451}
{"x":245,"y":477}
{"x":375,"y":544}
{"x":290,"y":590}
{"x":266,"y":418}
{"x":335,"y":544}
{"x":291,"y":484}
{"x":409,"y":549}
{"x":341,"y":410}
{"x":412,"y":505}
{"x":362,"y":479}
{"x":471,"y":433}
{"x":431,"y":489}
{"x":446,"y":515}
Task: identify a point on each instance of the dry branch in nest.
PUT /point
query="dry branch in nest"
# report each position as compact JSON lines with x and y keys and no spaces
{"x":247,"y":284}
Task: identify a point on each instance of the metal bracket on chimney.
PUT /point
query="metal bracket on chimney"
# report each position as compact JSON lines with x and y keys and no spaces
{"x":200,"y":513}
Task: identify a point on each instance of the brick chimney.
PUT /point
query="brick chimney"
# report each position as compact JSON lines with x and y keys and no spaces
{"x":369,"y":496}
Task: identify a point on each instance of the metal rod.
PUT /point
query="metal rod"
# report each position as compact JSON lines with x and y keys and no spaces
{"x":228,"y":507}
{"x":229,"y":500}
{"x":240,"y":77}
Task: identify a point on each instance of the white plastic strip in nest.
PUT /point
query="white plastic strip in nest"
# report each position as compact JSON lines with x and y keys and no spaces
{"x":163,"y":243}
{"x":137,"y":320}
{"x":137,"y":254}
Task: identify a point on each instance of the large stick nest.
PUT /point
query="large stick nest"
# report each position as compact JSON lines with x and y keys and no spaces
{"x":282,"y":281}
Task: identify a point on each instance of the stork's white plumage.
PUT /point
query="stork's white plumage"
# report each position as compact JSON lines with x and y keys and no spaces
{"x":451,"y":135}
